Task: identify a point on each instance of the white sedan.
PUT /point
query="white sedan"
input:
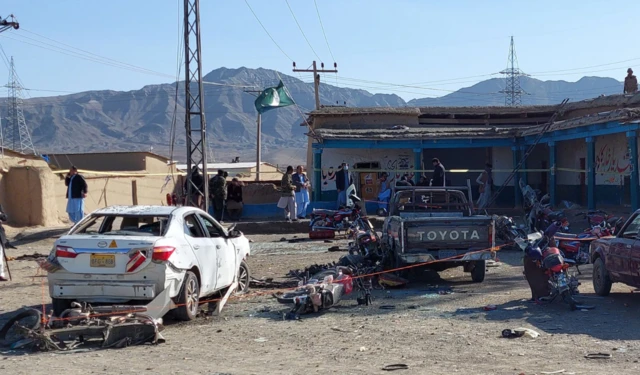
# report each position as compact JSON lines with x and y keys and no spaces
{"x":133,"y":254}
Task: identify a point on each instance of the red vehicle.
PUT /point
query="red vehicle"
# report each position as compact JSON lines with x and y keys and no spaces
{"x":617,"y":259}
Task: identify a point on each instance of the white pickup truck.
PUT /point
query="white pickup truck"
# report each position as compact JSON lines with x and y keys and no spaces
{"x":438,"y":223}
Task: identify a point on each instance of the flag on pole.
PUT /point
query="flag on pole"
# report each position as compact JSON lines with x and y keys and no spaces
{"x":273,"y":97}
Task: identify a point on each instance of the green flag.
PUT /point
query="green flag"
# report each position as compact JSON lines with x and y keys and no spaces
{"x":273,"y":97}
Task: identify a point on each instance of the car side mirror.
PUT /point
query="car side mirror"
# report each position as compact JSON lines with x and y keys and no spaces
{"x":235,"y":233}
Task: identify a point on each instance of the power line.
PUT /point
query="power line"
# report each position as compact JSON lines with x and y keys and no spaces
{"x":323,"y":33}
{"x":265,"y":30}
{"x":300,"y":27}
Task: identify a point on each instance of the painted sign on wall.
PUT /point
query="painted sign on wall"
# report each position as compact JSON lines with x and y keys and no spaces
{"x":612,"y":161}
{"x":395,"y":162}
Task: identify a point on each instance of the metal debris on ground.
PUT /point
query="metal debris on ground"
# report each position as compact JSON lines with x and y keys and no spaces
{"x":80,"y":325}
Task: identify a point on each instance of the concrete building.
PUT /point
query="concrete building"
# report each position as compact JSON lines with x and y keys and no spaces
{"x":118,"y":161}
{"x":244,"y":171}
{"x":588,"y":156}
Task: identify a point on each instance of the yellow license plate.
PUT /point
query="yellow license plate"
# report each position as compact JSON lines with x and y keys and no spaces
{"x":105,"y":261}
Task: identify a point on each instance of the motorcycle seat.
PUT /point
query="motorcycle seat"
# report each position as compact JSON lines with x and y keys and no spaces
{"x":322,"y":211}
{"x":570,"y":262}
{"x":556,"y":215}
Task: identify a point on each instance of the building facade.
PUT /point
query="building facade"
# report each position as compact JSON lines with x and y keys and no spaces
{"x":588,"y":155}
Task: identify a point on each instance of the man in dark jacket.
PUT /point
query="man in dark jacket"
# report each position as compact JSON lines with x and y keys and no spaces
{"x":218,"y":186}
{"x":234,"y":199}
{"x":76,"y":193}
{"x":438,"y":173}
{"x":343,"y":181}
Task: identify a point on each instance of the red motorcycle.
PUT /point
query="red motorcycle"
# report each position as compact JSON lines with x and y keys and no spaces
{"x":333,"y":220}
{"x":576,"y":246}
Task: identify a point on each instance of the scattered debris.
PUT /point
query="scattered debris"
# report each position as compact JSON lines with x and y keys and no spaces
{"x":598,"y":356}
{"x":79,"y":326}
{"x":30,"y":256}
{"x":363,"y":349}
{"x":490,"y":307}
{"x":336,"y":248}
{"x":261,"y":339}
{"x":396,"y":366}
{"x":519,"y":332}
{"x":553,"y":372}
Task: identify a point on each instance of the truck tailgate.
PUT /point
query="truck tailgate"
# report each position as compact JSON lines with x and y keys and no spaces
{"x":438,"y":233}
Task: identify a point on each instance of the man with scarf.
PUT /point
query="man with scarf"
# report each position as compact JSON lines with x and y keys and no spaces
{"x":76,"y":193}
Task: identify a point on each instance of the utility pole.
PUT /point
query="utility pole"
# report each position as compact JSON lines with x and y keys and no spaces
{"x":195,"y":124}
{"x":6,"y":25}
{"x":513,"y":91}
{"x":258,"y":139}
{"x":20,"y":134}
{"x":316,"y":77}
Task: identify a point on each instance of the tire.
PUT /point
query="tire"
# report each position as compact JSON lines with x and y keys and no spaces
{"x":601,"y":280}
{"x":30,"y":318}
{"x":59,"y":305}
{"x":479,"y":271}
{"x":244,"y":278}
{"x":188,"y":299}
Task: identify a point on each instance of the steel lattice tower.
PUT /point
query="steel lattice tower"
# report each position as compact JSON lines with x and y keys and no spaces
{"x":513,"y":91}
{"x":18,"y":135}
{"x":194,"y":122}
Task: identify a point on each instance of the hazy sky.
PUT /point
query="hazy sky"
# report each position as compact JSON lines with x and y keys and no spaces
{"x":432,"y":46}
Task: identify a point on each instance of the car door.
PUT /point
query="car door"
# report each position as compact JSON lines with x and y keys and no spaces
{"x":225,"y":252}
{"x":620,"y":251}
{"x":204,"y":250}
{"x":634,"y":265}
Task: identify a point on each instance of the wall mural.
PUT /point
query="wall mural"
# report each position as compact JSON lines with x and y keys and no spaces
{"x":399,"y":163}
{"x":612,"y":164}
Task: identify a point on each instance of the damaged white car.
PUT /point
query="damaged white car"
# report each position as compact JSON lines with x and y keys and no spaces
{"x":164,"y":257}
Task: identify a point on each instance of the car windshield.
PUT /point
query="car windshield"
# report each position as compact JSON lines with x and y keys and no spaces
{"x":421,"y":201}
{"x":123,"y":225}
{"x":631,"y":231}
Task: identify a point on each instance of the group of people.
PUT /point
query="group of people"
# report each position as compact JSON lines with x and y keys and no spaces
{"x":224,"y":197}
{"x":484,"y":181}
{"x":295,"y":194}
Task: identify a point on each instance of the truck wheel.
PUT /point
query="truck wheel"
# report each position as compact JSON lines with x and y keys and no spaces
{"x":188,"y":299}
{"x":478,"y":271}
{"x":59,"y":305}
{"x":601,"y":280}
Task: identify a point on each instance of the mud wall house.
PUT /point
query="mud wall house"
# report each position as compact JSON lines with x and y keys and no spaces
{"x":588,"y":156}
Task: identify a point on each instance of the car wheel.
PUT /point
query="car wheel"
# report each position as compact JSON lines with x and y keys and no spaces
{"x":188,"y":299}
{"x":244,"y":278}
{"x":59,"y":305}
{"x":478,"y":271}
{"x":601,"y":280}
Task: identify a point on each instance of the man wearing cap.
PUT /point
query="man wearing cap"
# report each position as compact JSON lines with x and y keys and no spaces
{"x":630,"y":83}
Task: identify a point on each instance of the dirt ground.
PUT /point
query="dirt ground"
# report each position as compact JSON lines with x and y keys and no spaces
{"x":429,"y":332}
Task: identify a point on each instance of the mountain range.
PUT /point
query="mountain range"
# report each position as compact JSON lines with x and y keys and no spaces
{"x":142,"y":119}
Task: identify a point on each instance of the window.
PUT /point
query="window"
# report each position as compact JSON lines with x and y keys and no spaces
{"x":631,"y":231}
{"x":134,"y":225}
{"x":212,"y":228}
{"x":192,"y":227}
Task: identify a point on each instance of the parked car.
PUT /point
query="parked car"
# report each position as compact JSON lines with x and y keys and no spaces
{"x":438,"y":223}
{"x":616,"y":259}
{"x":134,"y":254}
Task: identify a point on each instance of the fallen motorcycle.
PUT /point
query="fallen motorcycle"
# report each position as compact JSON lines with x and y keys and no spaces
{"x":550,"y":259}
{"x":507,"y":230}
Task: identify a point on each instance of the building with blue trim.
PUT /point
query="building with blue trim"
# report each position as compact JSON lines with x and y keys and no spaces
{"x":589,"y":155}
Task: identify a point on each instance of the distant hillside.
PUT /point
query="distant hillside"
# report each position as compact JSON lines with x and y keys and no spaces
{"x":538,"y":92}
{"x":141,"y":119}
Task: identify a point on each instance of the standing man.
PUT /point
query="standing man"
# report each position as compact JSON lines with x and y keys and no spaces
{"x":343,"y":181}
{"x":76,"y":193}
{"x":234,"y":199}
{"x":287,"y":199}
{"x":438,"y":173}
{"x":302,"y":192}
{"x":218,"y":185}
{"x":630,"y":83}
